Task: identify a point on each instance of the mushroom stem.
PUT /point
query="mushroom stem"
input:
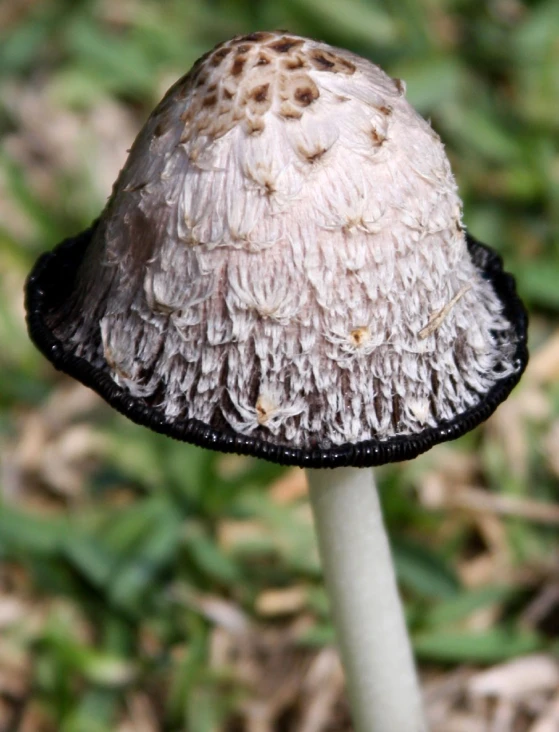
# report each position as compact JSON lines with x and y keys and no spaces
{"x":380,"y":673}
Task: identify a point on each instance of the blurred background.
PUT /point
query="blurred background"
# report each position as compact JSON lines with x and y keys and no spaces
{"x":149,"y":586}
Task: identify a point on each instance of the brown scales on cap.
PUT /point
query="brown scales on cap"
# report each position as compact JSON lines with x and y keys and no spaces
{"x":271,"y":70}
{"x":359,"y":336}
{"x":285,"y":45}
{"x":306,"y":95}
{"x":328,"y":61}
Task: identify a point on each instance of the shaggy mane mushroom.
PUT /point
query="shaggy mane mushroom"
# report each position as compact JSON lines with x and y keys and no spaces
{"x":282,"y":271}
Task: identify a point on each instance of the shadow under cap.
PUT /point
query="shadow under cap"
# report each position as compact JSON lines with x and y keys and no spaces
{"x":281,"y":270}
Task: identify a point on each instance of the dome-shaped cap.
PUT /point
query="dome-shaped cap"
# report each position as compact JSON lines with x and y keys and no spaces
{"x":282,"y":271}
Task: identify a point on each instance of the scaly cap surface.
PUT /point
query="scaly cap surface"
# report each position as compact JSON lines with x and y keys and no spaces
{"x":282,"y":260}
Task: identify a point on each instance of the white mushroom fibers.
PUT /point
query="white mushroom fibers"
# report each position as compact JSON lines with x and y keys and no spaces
{"x":283,"y":255}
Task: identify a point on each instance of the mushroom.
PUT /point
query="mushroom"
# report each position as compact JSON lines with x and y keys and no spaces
{"x":282,"y":271}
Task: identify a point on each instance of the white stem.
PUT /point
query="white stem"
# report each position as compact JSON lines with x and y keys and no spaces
{"x":380,"y":673}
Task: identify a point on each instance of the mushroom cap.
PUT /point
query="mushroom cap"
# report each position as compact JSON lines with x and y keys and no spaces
{"x":281,"y":270}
